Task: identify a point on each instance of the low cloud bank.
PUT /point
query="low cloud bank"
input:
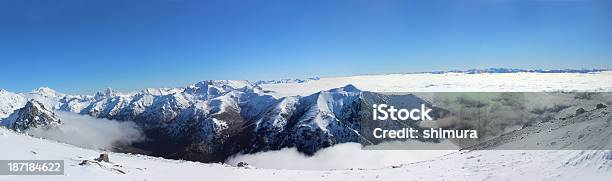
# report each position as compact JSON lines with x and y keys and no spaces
{"x":89,"y":132}
{"x":340,"y":156}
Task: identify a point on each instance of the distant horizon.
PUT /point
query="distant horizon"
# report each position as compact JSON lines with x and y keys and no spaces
{"x":588,"y":70}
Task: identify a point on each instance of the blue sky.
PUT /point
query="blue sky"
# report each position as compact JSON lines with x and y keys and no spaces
{"x":81,"y":46}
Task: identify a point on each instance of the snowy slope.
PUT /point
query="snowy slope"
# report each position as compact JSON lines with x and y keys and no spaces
{"x":465,"y":165}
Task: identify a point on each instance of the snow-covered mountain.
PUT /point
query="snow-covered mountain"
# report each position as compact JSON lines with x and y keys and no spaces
{"x":211,"y":120}
{"x":33,"y":115}
{"x":48,"y":97}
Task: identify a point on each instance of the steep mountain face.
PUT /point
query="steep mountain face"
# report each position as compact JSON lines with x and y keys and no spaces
{"x":211,"y":120}
{"x":243,"y":120}
{"x":308,"y":123}
{"x":327,"y":118}
{"x":33,"y":115}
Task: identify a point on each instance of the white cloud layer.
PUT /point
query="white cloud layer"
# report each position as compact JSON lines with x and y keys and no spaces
{"x":340,"y":156}
{"x":89,"y":132}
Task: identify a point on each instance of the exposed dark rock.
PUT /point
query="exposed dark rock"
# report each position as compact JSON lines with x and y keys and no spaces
{"x":600,"y":106}
{"x":580,"y":111}
{"x":102,"y":158}
{"x":242,"y":164}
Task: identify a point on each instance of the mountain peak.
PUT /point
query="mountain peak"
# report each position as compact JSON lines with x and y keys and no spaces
{"x":108,"y":92}
{"x":347,"y":88}
{"x":350,"y":88}
{"x":33,"y":103}
{"x":46,"y":91}
{"x":32,"y":115}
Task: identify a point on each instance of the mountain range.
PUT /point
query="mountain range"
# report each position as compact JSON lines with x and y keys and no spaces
{"x":210,"y":120}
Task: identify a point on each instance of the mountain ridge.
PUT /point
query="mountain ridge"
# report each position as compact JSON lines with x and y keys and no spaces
{"x":32,"y":115}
